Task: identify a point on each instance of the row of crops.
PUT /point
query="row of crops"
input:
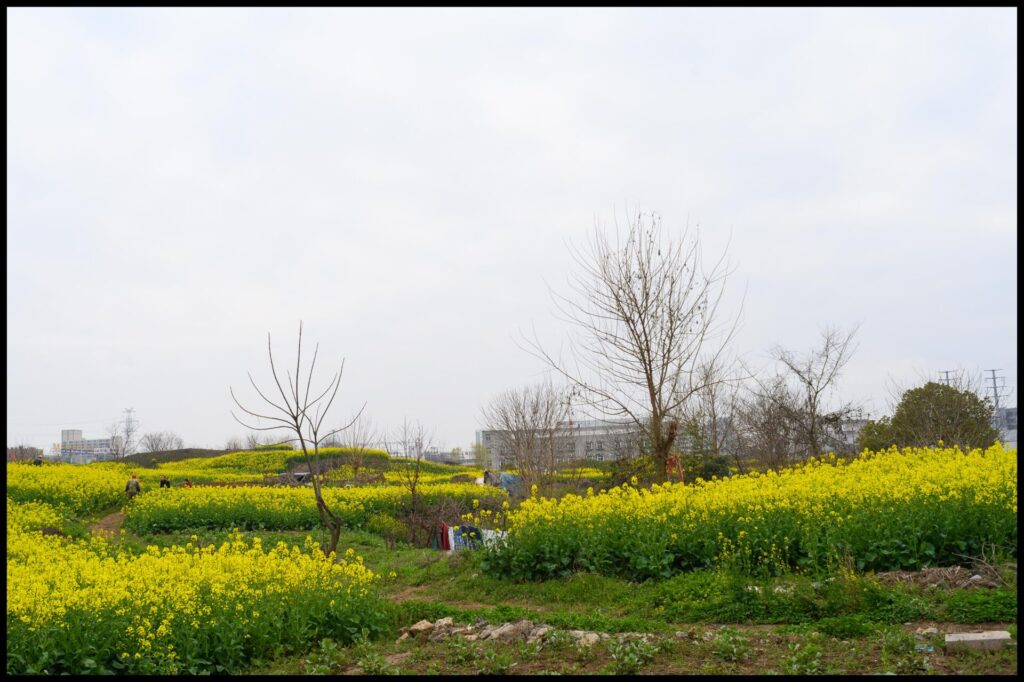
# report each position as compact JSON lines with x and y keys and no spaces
{"x":896,"y":509}
{"x":81,"y":606}
{"x":269,"y":508}
{"x":98,"y":486}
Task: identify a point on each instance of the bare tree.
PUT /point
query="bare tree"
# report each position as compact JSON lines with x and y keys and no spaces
{"x":481,"y":455}
{"x":709,"y":417}
{"x":646,"y":313}
{"x":122,"y":438}
{"x":764,"y":426}
{"x":815,"y":374}
{"x":234,"y":444}
{"x":160,"y":441}
{"x":530,"y":427}
{"x":303,"y":417}
{"x":357,"y":441}
{"x":411,"y":441}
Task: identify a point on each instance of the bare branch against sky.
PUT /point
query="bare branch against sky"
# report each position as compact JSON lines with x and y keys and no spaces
{"x":859,"y":163}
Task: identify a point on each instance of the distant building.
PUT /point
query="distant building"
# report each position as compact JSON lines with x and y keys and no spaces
{"x":447,"y":456}
{"x":1004,"y":419}
{"x":594,"y":439}
{"x":849,"y":430}
{"x":78,"y":450}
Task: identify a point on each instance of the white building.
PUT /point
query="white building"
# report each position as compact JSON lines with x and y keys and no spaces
{"x":1005,"y":420}
{"x":78,"y":450}
{"x":594,"y":439}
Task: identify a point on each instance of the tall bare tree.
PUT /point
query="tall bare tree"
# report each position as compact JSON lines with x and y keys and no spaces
{"x":530,"y":427}
{"x":159,"y":441}
{"x":815,"y":374}
{"x":297,"y":414}
{"x":645,"y":313}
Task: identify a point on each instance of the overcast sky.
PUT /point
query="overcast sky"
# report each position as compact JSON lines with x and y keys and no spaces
{"x":406,"y":182}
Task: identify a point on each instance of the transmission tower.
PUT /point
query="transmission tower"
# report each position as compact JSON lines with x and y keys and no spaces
{"x":998,"y":387}
{"x":947,"y":372}
{"x":129,"y":429}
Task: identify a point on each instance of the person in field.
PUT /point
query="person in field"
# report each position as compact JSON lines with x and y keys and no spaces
{"x":133,"y":487}
{"x":188,"y":483}
{"x":164,"y":483}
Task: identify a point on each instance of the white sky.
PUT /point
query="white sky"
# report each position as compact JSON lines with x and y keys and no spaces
{"x":182,"y":181}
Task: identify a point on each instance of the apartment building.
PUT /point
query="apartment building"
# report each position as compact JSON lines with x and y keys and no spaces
{"x":78,"y":450}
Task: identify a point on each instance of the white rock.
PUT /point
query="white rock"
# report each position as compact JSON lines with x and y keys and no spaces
{"x":422,"y":626}
{"x":979,"y":641}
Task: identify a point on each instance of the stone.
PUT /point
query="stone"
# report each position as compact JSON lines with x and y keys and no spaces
{"x":471,"y":638}
{"x":511,"y":631}
{"x":538,"y":633}
{"x":927,"y":631}
{"x":422,"y":626}
{"x":584,"y":638}
{"x":444,"y":623}
{"x":405,"y":636}
{"x":978,"y":641}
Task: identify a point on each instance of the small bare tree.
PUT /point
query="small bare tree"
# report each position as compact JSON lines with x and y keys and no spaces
{"x":160,"y":441}
{"x":234,"y":444}
{"x":709,"y":417}
{"x":530,"y":426}
{"x":122,"y":438}
{"x":763,"y":420}
{"x":412,"y":440}
{"x":303,"y":417}
{"x":646,"y":314}
{"x":357,"y":441}
{"x":815,"y":375}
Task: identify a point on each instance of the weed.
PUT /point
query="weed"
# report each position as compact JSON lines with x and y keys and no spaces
{"x":495,"y":663}
{"x":897,"y":653}
{"x":730,"y":645}
{"x":374,"y":664}
{"x":804,"y":658}
{"x":325,"y":659}
{"x":460,"y":651}
{"x":630,"y":655}
{"x":845,"y":627}
{"x":981,"y":605}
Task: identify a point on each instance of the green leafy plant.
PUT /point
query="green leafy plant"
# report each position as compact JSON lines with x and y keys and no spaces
{"x":495,"y":663}
{"x":629,"y":656}
{"x":325,"y":659}
{"x":730,"y":645}
{"x":804,"y":659}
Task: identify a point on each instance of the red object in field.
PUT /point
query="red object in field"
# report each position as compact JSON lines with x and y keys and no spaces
{"x":674,"y":463}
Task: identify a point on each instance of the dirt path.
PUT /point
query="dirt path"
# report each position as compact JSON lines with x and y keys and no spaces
{"x":109,"y":524}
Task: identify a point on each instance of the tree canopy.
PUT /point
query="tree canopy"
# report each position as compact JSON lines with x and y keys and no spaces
{"x":932,"y":413}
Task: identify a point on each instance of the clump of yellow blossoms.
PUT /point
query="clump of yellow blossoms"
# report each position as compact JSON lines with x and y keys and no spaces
{"x":84,"y":605}
{"x":892,"y":509}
